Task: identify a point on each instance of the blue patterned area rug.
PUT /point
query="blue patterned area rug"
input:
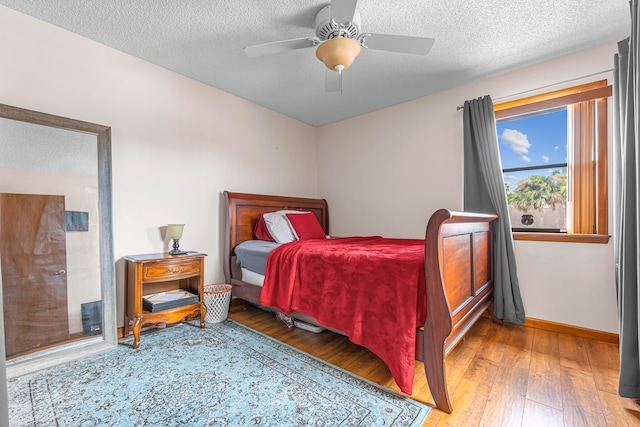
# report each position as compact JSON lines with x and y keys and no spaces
{"x":223,"y":375}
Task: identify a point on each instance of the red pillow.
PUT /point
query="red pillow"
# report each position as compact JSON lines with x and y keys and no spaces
{"x":306,"y":226}
{"x":261,"y":231}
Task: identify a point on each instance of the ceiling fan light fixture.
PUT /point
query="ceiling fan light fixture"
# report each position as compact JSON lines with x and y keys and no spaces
{"x":338,"y":51}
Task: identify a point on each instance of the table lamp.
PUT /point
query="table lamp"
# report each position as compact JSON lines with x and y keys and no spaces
{"x":175,"y":231}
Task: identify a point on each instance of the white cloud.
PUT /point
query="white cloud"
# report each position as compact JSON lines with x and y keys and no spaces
{"x":556,"y":148}
{"x":517,"y":141}
{"x":526,"y":159}
{"x":545,"y":159}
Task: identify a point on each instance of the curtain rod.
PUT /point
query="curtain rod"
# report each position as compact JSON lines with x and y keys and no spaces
{"x":460,"y":107}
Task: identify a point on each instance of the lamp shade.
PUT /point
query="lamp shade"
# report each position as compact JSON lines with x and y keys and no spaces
{"x":175,"y":231}
{"x":338,"y":51}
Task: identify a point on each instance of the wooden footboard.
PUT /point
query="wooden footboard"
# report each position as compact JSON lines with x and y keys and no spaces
{"x":459,"y":276}
{"x":458,"y":265}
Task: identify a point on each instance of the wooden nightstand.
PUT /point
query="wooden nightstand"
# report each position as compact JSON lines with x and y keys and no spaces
{"x":153,"y":273}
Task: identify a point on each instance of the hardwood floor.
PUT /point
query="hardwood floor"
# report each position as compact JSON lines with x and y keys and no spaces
{"x":520,"y":376}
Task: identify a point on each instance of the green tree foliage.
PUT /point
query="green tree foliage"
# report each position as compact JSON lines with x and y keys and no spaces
{"x":539,"y":191}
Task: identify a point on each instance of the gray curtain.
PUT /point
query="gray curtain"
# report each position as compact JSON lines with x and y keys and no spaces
{"x":484,"y":191}
{"x":625,"y":201}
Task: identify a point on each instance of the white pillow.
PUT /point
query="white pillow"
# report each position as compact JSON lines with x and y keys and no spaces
{"x":279,"y":226}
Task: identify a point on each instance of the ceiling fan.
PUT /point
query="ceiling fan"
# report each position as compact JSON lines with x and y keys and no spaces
{"x":339,"y":41}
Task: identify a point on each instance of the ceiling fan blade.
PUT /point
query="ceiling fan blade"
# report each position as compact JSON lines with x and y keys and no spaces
{"x":279,"y":46}
{"x":331,"y":81}
{"x":402,"y":44}
{"x":342,"y":11}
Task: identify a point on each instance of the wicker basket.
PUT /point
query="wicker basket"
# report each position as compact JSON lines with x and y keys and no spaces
{"x":217,"y":298}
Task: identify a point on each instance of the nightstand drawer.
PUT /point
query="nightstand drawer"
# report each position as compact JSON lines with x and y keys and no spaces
{"x":170,"y":270}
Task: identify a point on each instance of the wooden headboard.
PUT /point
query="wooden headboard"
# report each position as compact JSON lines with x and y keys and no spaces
{"x":245,"y":209}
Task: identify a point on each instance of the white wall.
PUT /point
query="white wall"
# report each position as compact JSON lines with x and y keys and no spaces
{"x":176,"y":143}
{"x":400,"y":164}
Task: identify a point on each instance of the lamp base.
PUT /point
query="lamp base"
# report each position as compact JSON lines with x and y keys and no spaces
{"x":178,"y":252}
{"x":176,"y":248}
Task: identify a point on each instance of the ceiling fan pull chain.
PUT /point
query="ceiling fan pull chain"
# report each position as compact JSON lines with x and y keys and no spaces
{"x":339,"y":69}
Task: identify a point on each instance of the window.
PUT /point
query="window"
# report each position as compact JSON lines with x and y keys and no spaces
{"x":553,"y":149}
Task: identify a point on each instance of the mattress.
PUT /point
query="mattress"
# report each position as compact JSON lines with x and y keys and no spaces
{"x":252,"y":255}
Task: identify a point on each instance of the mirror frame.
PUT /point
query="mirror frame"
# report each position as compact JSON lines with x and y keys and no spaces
{"x":109,"y":339}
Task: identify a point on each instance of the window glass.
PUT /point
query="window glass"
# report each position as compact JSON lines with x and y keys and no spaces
{"x":533,"y":150}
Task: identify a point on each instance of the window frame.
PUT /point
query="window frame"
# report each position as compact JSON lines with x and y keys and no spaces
{"x":598,"y":92}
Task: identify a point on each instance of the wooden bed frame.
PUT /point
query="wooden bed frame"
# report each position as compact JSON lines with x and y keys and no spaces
{"x":458,"y":267}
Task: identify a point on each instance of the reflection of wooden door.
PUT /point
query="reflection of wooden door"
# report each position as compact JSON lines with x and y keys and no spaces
{"x":34,"y":262}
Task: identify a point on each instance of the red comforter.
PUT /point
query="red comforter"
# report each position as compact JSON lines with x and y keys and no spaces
{"x":370,"y":288}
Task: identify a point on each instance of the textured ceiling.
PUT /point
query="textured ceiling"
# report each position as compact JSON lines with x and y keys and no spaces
{"x":204,"y":40}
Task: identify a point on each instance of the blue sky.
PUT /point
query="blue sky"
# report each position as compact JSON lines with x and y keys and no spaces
{"x":532,"y":141}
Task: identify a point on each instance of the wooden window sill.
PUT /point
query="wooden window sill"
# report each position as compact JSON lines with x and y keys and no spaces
{"x":562,"y":237}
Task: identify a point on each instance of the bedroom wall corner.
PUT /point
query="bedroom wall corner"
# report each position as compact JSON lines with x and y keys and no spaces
{"x":387,"y":171}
